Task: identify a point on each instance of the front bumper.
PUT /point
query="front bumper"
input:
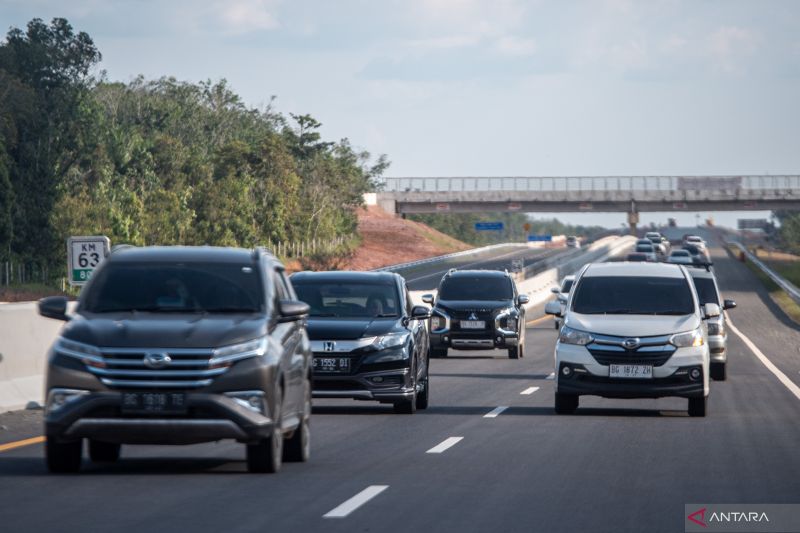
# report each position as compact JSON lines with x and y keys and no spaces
{"x":386,"y":386}
{"x":717,"y":345}
{"x":482,"y":340}
{"x":209,"y":417}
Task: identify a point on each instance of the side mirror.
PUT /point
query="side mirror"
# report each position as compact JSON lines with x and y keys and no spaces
{"x":54,"y":307}
{"x":555,"y":290}
{"x":292,"y":310}
{"x":427,"y":298}
{"x":553,"y":308}
{"x":523,"y":299}
{"x":711,"y":310}
{"x":728,"y":304}
{"x":420,"y":312}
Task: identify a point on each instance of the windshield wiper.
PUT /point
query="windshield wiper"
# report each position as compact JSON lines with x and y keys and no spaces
{"x":323,"y":315}
{"x":386,"y":315}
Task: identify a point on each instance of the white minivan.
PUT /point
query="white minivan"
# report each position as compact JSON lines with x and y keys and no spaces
{"x":632,"y":330}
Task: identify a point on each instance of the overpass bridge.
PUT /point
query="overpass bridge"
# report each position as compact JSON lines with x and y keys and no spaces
{"x":630,"y":194}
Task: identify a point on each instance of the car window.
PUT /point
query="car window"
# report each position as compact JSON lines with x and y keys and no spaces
{"x":349,"y":298}
{"x":567,"y":285}
{"x":476,"y":288}
{"x":706,"y":290}
{"x":633,"y":295}
{"x":175,"y":287}
{"x":281,"y":289}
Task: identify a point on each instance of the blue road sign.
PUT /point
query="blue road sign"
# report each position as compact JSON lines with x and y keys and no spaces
{"x":489,"y":226}
{"x":540,"y":238}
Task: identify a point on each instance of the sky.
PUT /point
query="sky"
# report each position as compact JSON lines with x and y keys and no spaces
{"x":488,"y":87}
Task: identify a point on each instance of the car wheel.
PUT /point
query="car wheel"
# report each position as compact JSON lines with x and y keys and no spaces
{"x":103,"y":452}
{"x":265,"y":456}
{"x":297,"y":449}
{"x":63,"y":457}
{"x":697,"y":406}
{"x":566,"y":404}
{"x":422,"y":395}
{"x":438,"y":352}
{"x":719,"y":371}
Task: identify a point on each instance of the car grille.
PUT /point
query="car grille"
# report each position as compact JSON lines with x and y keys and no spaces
{"x":485,"y":314}
{"x":125,"y":368}
{"x":608,"y":350}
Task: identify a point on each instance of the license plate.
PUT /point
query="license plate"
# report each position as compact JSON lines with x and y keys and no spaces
{"x":332,"y":364}
{"x":473,"y":324}
{"x":631,"y":371}
{"x":154,"y":402}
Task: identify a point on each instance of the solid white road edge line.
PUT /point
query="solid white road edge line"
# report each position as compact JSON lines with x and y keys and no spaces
{"x":445,"y":444}
{"x":496,"y":411}
{"x":783,"y":378}
{"x":530,"y":390}
{"x":355,"y":502}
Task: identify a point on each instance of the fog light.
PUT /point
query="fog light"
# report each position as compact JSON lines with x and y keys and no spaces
{"x":566,"y":371}
{"x":58,"y":398}
{"x":378,"y":379}
{"x":499,"y":339}
{"x":252,"y":400}
{"x":695,"y":374}
{"x":446,"y":338}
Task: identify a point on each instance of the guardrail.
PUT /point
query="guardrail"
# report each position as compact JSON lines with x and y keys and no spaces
{"x":790,"y":288}
{"x":442,"y":258}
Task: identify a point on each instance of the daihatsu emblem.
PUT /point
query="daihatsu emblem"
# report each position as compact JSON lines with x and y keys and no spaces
{"x":328,"y":346}
{"x":631,"y":344}
{"x":473,"y":316}
{"x":156,"y":360}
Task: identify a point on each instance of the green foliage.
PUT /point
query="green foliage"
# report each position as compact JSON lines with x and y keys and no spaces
{"x":157,"y":161}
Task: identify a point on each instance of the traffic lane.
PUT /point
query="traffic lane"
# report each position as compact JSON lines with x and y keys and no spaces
{"x":616,"y":465}
{"x":355,"y":444}
{"x":756,"y":315}
{"x":429,"y":277}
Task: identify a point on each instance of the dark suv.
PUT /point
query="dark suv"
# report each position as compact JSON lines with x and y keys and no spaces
{"x":369,"y":340}
{"x":477,"y":310}
{"x":180,"y":345}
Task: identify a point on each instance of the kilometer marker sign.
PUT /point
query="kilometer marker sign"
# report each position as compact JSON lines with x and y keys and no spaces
{"x":84,"y":255}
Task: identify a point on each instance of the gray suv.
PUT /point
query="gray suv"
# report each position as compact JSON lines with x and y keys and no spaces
{"x":180,"y":345}
{"x":705,"y":284}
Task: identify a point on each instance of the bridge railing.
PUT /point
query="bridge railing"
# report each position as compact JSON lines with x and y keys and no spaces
{"x":593,"y":183}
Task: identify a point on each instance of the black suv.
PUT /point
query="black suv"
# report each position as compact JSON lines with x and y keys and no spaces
{"x":180,"y":345}
{"x":477,"y":310}
{"x":369,"y":341}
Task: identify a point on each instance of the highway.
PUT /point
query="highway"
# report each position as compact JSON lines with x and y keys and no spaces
{"x":616,"y":465}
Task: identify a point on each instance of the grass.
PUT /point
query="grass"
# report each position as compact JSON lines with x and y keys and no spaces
{"x":32,"y":291}
{"x":778,"y":295}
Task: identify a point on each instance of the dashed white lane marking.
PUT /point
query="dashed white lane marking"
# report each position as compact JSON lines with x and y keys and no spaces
{"x":530,"y":390}
{"x":355,"y":502}
{"x":551,"y":376}
{"x":496,"y":411}
{"x":445,"y":444}
{"x":783,"y":378}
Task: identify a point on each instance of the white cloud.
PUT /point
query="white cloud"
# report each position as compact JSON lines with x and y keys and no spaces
{"x":245,"y":16}
{"x":730,"y":47}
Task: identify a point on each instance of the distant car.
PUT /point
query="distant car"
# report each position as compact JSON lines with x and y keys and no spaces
{"x":369,"y":341}
{"x":648,"y":249}
{"x":573,"y":242}
{"x":695,"y":240}
{"x":653,"y":236}
{"x":637,"y":256}
{"x":705,"y":284}
{"x":477,"y":310}
{"x":699,"y":256}
{"x":643,"y":241}
{"x":562,"y":292}
{"x":680,"y":257}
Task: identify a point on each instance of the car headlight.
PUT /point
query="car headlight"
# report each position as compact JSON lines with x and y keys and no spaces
{"x":574,"y":336}
{"x":716,"y":328}
{"x":437,"y":322}
{"x":85,"y":352}
{"x":228,"y":354}
{"x":687,"y":339}
{"x":511,"y":323}
{"x":390,"y":340}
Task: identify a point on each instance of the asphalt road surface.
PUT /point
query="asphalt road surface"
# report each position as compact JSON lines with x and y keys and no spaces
{"x":616,"y":465}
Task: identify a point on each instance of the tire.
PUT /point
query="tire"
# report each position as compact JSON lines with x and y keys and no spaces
{"x":297,"y":449}
{"x":63,"y":457}
{"x":557,"y":324}
{"x":719,"y":371}
{"x":103,"y":452}
{"x":406,"y":407}
{"x":422,"y":396}
{"x":266,"y":456}
{"x":438,"y":352}
{"x":513,"y":353}
{"x":566,"y":404}
{"x":697,"y":406}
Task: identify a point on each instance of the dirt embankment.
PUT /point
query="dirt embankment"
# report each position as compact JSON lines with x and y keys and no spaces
{"x":388,"y":240}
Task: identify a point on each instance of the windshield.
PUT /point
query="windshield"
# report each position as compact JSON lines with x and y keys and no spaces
{"x":348,"y":298}
{"x":476,"y":288}
{"x":644,"y":248}
{"x":706,"y":291}
{"x":633,"y":295}
{"x":175,"y":287}
{"x":680,"y":253}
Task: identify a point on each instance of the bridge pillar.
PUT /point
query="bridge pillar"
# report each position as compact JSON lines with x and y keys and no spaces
{"x":633,"y":220}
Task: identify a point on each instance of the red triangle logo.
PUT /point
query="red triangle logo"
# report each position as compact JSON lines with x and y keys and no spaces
{"x":702,"y":517}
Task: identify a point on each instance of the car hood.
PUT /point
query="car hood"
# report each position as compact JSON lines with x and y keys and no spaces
{"x":158,"y":330}
{"x":632,"y":325}
{"x":324,"y":328}
{"x":466,"y":305}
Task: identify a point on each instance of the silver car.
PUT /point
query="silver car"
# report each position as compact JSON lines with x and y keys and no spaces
{"x":680,"y":257}
{"x":562,"y":292}
{"x":708,"y":292}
